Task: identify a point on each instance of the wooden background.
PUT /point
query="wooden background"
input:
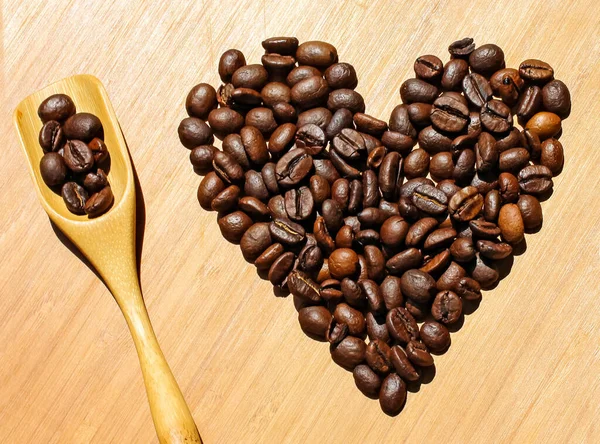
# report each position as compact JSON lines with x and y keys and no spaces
{"x":524,"y":368}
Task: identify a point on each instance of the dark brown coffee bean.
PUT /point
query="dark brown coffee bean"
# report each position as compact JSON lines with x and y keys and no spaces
{"x":229,"y":62}
{"x":349,"y":144}
{"x":419,"y":231}
{"x":225,"y":95}
{"x":78,"y":157}
{"x":407,"y":209}
{"x":316,"y":53}
{"x":557,"y":99}
{"x":263,"y":119}
{"x":370,"y":189}
{"x":353,"y":293}
{"x":75,"y":197}
{"x":545,"y":124}
{"x":552,"y":155}
{"x":509,"y":187}
{"x":454,"y":73}
{"x":275,"y":92}
{"x":320,"y":189}
{"x":340,"y":192}
{"x":324,"y":239}
{"x":430,"y":200}
{"x":491,"y":206}
{"x":507,"y":84}
{"x":486,"y":59}
{"x":343,"y":262}
{"x":485,"y":182}
{"x":448,"y":187}
{"x":435,"y":336}
{"x":201,"y":158}
{"x":58,"y":107}
{"x":344,"y":237}
{"x":419,"y":114}
{"x":342,"y":118}
{"x":375,"y":262}
{"x":287,"y":232}
{"x":280,"y":268}
{"x":408,"y":188}
{"x":390,"y":176}
{"x":233,"y":145}
{"x":282,"y":138}
{"x":276,"y":207}
{"x":293,"y":167}
{"x":530,"y":102}
{"x":95,"y":181}
{"x":330,"y":291}
{"x":346,"y":98}
{"x":253,"y":76}
{"x":227,"y":199}
{"x":349,"y":352}
{"x":447,"y":307}
{"x":302,"y":286}
{"x":513,"y":159}
{"x":51,"y":137}
{"x":341,"y":75}
{"x":333,"y":215}
{"x":416,"y":164}
{"x":531,"y":142}
{"x":379,"y":356}
{"x":484,"y":230}
{"x":367,"y":381}
{"x":536,"y":71}
{"x":393,"y":231}
{"x":401,"y":325}
{"x":400,"y":121}
{"x":315,"y":116}
{"x":254,"y":145}
{"x":53,"y":169}
{"x":434,"y":141}
{"x":531,"y":212}
{"x":376,"y":328}
{"x":440,"y":238}
{"x":278,"y":66}
{"x":86,"y":126}
{"x":99,"y":202}
{"x":493,"y":250}
{"x":371,"y":217}
{"x":369,"y":124}
{"x":224,"y":121}
{"x":486,"y":153}
{"x":310,"y":92}
{"x":281,"y":45}
{"x":464,"y":166}
{"x":391,"y":293}
{"x":496,"y":116}
{"x":299,"y":203}
{"x":210,"y":186}
{"x":449,"y":114}
{"x":300,"y":73}
{"x":403,"y":261}
{"x":436,"y":264}
{"x":310,"y":258}
{"x":441,"y":166}
{"x":511,"y":224}
{"x":314,"y":320}
{"x":535,"y":179}
{"x":466,"y":204}
{"x":462,"y":250}
{"x":417,"y":90}
{"x":428,"y":67}
{"x":402,"y":364}
{"x":477,"y":89}
{"x":255,"y":240}
{"x":227,"y":168}
{"x":284,"y":112}
{"x":268,"y":257}
{"x":201,"y":100}
{"x":269,"y":177}
{"x":468,"y":289}
{"x":418,"y":286}
{"x":418,"y":354}
{"x":462,"y":48}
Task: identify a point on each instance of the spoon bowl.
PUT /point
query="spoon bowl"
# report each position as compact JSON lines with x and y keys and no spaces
{"x":108,"y":243}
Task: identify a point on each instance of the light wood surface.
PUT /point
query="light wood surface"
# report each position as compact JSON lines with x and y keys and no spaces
{"x":524,"y":368}
{"x":108,"y":242}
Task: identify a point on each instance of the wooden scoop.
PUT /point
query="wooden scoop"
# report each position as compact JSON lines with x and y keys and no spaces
{"x":108,"y":242}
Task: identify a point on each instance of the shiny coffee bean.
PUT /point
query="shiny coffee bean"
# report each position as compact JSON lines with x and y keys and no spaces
{"x":545,"y":124}
{"x":310,"y":92}
{"x":493,"y":250}
{"x":476,"y":89}
{"x":227,"y":168}
{"x":263,"y":119}
{"x":491,"y":206}
{"x":449,"y":114}
{"x":58,"y":107}
{"x":367,"y":381}
{"x":201,"y":158}
{"x":341,"y":75}
{"x":317,"y":54}
{"x":552,"y":155}
{"x":511,"y":224}
{"x":428,"y":67}
{"x":530,"y":102}
{"x":316,"y":116}
{"x":418,"y":354}
{"x":486,"y":59}
{"x":536,"y":71}
{"x":417,"y":90}
{"x":484,"y":272}
{"x":379,"y":356}
{"x":349,"y":352}
{"x":293,"y":167}
{"x":434,"y":141}
{"x":75,"y":197}
{"x":468,"y":289}
{"x":201,"y":100}
{"x":496,"y":116}
{"x":441,"y":166}
{"x":99,"y":202}
{"x":392,"y":395}
{"x":447,"y":307}
{"x":95,"y":181}
{"x":466,"y":204}
{"x":416,"y":164}
{"x":509,"y":187}
{"x":430,"y":200}
{"x":557,"y":99}
{"x":462,"y":48}
{"x":224,"y":121}
{"x":78,"y":156}
{"x":84,"y":127}
{"x":254,"y":145}
{"x":255,"y":240}
{"x":507,"y":84}
{"x":234,"y":225}
{"x":343,"y":262}
{"x":419,"y":231}
{"x":531,"y":212}
{"x":403,"y":261}
{"x":282,"y":138}
{"x":454,"y":73}
{"x":314,"y":320}
{"x":462,"y":250}
{"x":535,"y":179}
{"x":435,"y":336}
{"x":513,"y":159}
{"x":53,"y":169}
{"x":450,"y":278}
{"x":299,"y":203}
{"x":341,"y":118}
{"x":401,"y":325}
{"x":51,"y":137}
{"x":418,"y":286}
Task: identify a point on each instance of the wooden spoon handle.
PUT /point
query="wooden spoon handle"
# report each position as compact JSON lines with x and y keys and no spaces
{"x":171,"y":415}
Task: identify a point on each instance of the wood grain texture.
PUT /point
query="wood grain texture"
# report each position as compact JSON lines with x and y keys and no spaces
{"x":525,"y":366}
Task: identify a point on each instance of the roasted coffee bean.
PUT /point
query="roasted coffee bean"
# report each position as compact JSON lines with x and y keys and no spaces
{"x":344,"y":237}
{"x":369,"y":124}
{"x":229,"y":62}
{"x":299,"y":203}
{"x":486,"y":59}
{"x":535,"y":179}
{"x":491,"y":206}
{"x":353,"y":293}
{"x":441,"y":166}
{"x":269,"y":177}
{"x":371,"y":217}
{"x":513,"y":159}
{"x":227,"y":168}
{"x":493,"y":250}
{"x":419,"y":231}
{"x":557,"y":99}
{"x":400,"y":121}
{"x":78,"y":157}
{"x":454,"y":73}
{"x":293,"y":167}
{"x":58,"y":107}
{"x":302,"y":286}
{"x":391,"y":293}
{"x":333,"y":215}
{"x":255,"y":240}
{"x":552,"y":155}
{"x":53,"y":169}
{"x":201,"y":158}
{"x":254,"y":185}
{"x":84,"y":127}
{"x":401,"y":325}
{"x":316,"y":116}
{"x":320,"y":189}
{"x":430,"y":200}
{"x":376,"y":327}
{"x":367,"y":381}
{"x":418,"y":286}
{"x":462,"y":48}
{"x":370,"y":189}
{"x":484,"y":272}
{"x":434,"y":141}
{"x":529,"y":103}
{"x":464,"y":166}
{"x":267,"y":257}
{"x":375,"y":262}
{"x":447,"y":307}
{"x":496,"y":116}
{"x":437,"y":263}
{"x":507,"y":84}
{"x":75,"y":197}
{"x":310,"y":258}
{"x":536,"y":71}
{"x":484,"y":229}
{"x":280,"y":268}
{"x":201,"y":100}
{"x":379,"y":356}
{"x":531,"y":212}
{"x":278,"y":66}
{"x":466,"y":204}
{"x":468,"y":289}
{"x":95,"y":181}
{"x":509,"y":187}
{"x":486,"y":153}
{"x":341,"y":118}
{"x":477,"y":89}
{"x":531,"y":142}
{"x":341,"y":75}
{"x":51,"y":137}
{"x":224,"y":121}
{"x":253,"y":207}
{"x":343,"y":262}
{"x":390,"y":209}
{"x":275,"y":92}
{"x":254,"y":145}
{"x":349,"y":352}
{"x":340,"y":192}
{"x":310,"y":92}
{"x":511,"y":224}
{"x":99,"y":203}
{"x":419,"y":114}
{"x":462,"y":250}
{"x":314,"y":320}
{"x":225,"y":95}
{"x":276,"y":207}
{"x":449,"y":114}
{"x":485,"y":182}
{"x":407,"y":209}
{"x":281,"y":45}
{"x":417,"y":90}
{"x":402,"y":364}
{"x":403,"y":261}
{"x":393,"y":231}
{"x":300,"y":73}
{"x":349,"y":144}
{"x":287,"y":232}
{"x":227,"y":199}
{"x":390,"y":176}
{"x":284,"y":112}
{"x":346,"y":98}
{"x":316,"y":53}
{"x":435,"y":336}
{"x":253,"y":76}
{"x":512,"y":139}
{"x":233,"y":145}
{"x":311,"y":138}
{"x":210,"y":186}
{"x":416,"y":164}
{"x":324,"y":239}
{"x":545,"y":124}
{"x":418,"y":354}
{"x":330,"y":291}
{"x":428,"y":67}
{"x":440,"y":238}
{"x":263,"y":119}
{"x":448,"y":187}
{"x":282,"y":138}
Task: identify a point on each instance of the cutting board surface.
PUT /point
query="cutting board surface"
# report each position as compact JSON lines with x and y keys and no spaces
{"x":525,"y":366}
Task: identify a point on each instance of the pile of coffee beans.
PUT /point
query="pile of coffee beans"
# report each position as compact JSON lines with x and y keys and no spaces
{"x":385,"y":230}
{"x":76,"y":159}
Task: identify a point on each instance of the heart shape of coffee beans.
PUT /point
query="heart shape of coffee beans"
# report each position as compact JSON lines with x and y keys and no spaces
{"x":336,"y":207}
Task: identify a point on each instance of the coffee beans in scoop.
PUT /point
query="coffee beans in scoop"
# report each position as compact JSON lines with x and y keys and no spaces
{"x":384,"y":231}
{"x":75,"y":160}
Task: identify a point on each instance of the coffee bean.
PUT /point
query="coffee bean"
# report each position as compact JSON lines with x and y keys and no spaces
{"x":450,"y":278}
{"x":416,"y":164}
{"x":393,"y":231}
{"x":255,"y":240}
{"x":341,"y":75}
{"x":275,"y":92}
{"x":346,"y":98}
{"x":201,"y":100}
{"x":341,"y":118}
{"x":509,"y":187}
{"x":276,"y":207}
{"x":224,"y":121}
{"x":449,"y":114}
{"x":418,"y":286}
{"x":379,"y":356}
{"x":392,"y":395}
{"x":314,"y":320}
{"x":263,"y":119}
{"x":367,"y":381}
{"x":226,"y":200}
{"x":531,"y":142}
{"x":401,"y":325}
{"x":284,"y":112}
{"x":340,"y":192}
{"x":58,"y":107}
{"x":78,"y":157}
{"x":513,"y":159}
{"x":293,"y":167}
{"x":484,"y":272}
{"x":53,"y":169}
{"x":418,"y":354}
{"x":419,"y":231}
{"x":269,"y":177}
{"x":403,"y":261}
{"x":278,"y":66}
{"x":454,"y":73}
{"x":448,"y":187}
{"x":254,"y":145}
{"x":485,"y":182}
{"x":536,"y":71}
{"x":253,"y":76}
{"x":486,"y":59}
{"x":268,"y":257}
{"x":282,"y":138}
{"x":343,"y":262}
{"x":51,"y":137}
{"x":529,"y":103}
{"x":440,"y":238}
{"x":349,"y":144}
{"x":300,"y":73}
{"x":496,"y":116}
{"x":535,"y":179}
{"x":491,"y":206}
{"x":390,"y":176}
{"x":324,"y":239}
{"x":441,"y":166}
{"x":477,"y":89}
{"x":486,"y":153}
{"x":545,"y":124}
{"x":417,"y":90}
{"x":280,"y":268}
{"x":493,"y":250}
{"x":310,"y":258}
{"x":430,"y":200}
{"x":428,"y":67}
{"x":400,"y":121}
{"x":435,"y":336}
{"x":316,"y":116}
{"x":95,"y":181}
{"x":320,"y":189}
{"x":462,"y":250}
{"x":557,"y":99}
{"x":310,"y":92}
{"x":375,"y":262}
{"x":349,"y":352}
{"x":552,"y":155}
{"x":287,"y":232}
{"x":281,"y":45}
{"x":433,"y":141}
{"x":344,"y":237}
{"x":84,"y":127}
{"x":229,"y":62}
{"x":447,"y":307}
{"x":531,"y":212}
{"x":462,"y":48}
{"x":507,"y":84}
{"x":468,"y":289}
{"x":464,"y":166}
{"x":201,"y":158}
{"x":333,"y":215}
{"x":511,"y":224}
{"x":99,"y":202}
{"x":227,"y":168}
{"x":316,"y":53}
{"x":299,"y":203}
{"x":407,"y":209}
{"x":75,"y":197}
{"x":466,"y":204}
